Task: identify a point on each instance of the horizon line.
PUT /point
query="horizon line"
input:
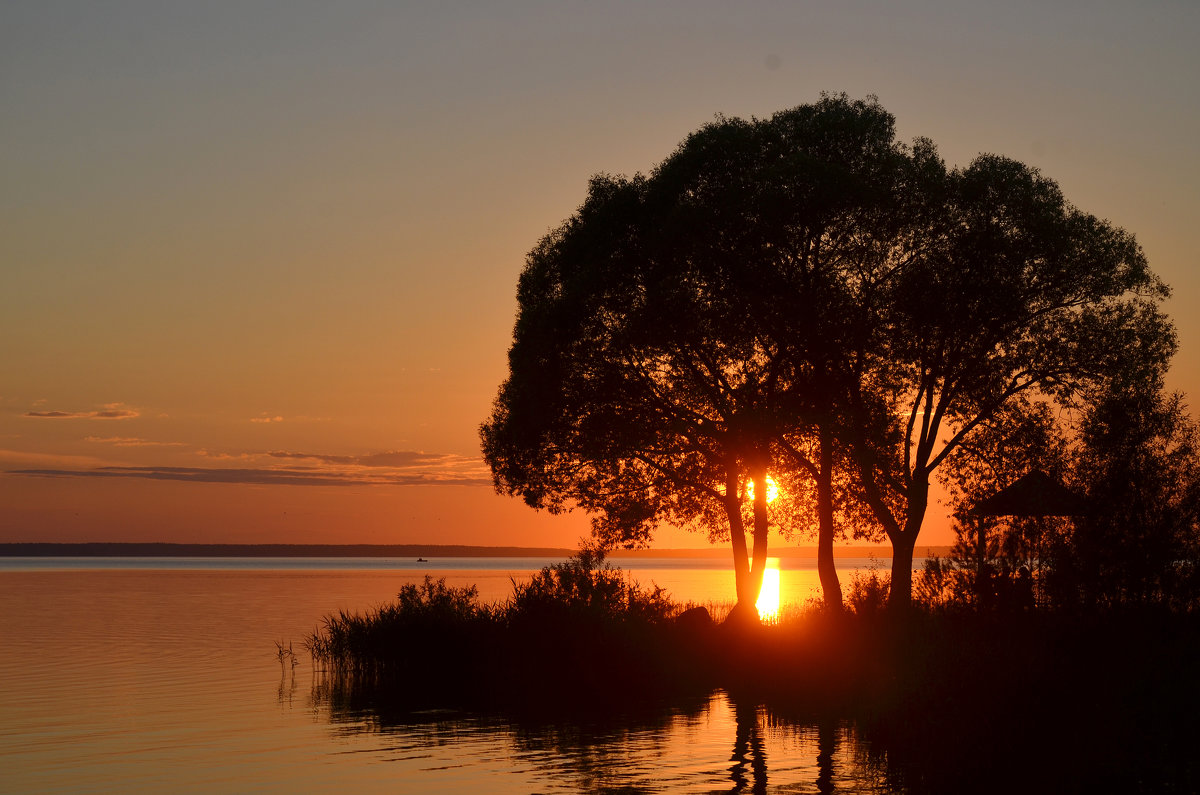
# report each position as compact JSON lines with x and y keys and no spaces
{"x":187,"y":549}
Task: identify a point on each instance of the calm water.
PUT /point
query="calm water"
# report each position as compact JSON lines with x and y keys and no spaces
{"x":162,"y":675}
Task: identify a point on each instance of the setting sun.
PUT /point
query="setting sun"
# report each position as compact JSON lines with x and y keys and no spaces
{"x":772,"y":489}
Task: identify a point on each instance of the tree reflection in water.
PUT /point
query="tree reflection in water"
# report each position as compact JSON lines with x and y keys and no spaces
{"x":826,"y":748}
{"x":748,"y":743}
{"x":749,"y":749}
{"x":683,"y":745}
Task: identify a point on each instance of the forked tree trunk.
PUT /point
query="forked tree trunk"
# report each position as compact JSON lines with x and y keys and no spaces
{"x":748,"y":562}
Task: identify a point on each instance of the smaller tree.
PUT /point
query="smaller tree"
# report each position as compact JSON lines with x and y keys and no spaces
{"x":1007,"y":291}
{"x":1139,"y":461}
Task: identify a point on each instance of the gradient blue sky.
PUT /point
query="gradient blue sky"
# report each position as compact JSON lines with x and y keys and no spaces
{"x":259,"y":258}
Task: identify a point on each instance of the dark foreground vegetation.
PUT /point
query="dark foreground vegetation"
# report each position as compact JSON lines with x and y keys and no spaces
{"x":957,"y":699}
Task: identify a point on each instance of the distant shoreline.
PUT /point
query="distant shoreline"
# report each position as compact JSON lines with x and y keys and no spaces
{"x":169,"y":550}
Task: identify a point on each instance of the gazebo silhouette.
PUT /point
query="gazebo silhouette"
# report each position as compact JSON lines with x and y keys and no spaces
{"x":1033,"y":494}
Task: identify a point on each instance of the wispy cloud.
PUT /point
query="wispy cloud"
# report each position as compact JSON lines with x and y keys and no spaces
{"x":387,"y":468}
{"x":206,"y":453}
{"x":264,"y":477}
{"x":398,"y":459}
{"x":265,"y":419}
{"x":130,"y":441}
{"x":109,"y":411}
{"x":21,"y":458}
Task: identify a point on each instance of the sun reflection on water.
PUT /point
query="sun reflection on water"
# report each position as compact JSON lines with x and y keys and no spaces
{"x":768,"y":597}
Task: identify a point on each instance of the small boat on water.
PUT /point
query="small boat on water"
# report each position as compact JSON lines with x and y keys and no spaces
{"x":422,"y":560}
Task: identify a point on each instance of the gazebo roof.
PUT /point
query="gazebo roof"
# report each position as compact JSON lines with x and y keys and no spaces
{"x":1034,"y":494}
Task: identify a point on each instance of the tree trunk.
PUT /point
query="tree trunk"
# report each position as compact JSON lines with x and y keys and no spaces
{"x":747,"y":591}
{"x":900,"y":595}
{"x":905,"y":541}
{"x":826,"y":570}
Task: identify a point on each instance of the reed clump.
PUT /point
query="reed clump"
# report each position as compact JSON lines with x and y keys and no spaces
{"x":428,"y":622}
{"x":578,"y":627}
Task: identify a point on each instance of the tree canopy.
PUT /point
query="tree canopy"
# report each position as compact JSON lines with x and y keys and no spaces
{"x":802,"y":298}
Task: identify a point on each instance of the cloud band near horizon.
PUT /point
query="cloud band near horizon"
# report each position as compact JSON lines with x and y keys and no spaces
{"x":110,"y":411}
{"x":268,"y":477}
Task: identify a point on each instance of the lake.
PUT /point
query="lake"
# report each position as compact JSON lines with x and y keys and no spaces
{"x":162,"y":675}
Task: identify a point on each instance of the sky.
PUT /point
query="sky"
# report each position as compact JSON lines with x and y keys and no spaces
{"x":259,"y":259}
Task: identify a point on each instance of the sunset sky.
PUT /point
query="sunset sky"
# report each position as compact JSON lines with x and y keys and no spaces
{"x":259,"y":258}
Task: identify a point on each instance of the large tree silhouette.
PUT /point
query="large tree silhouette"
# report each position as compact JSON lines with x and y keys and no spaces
{"x":802,"y":298}
{"x":685,"y":334}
